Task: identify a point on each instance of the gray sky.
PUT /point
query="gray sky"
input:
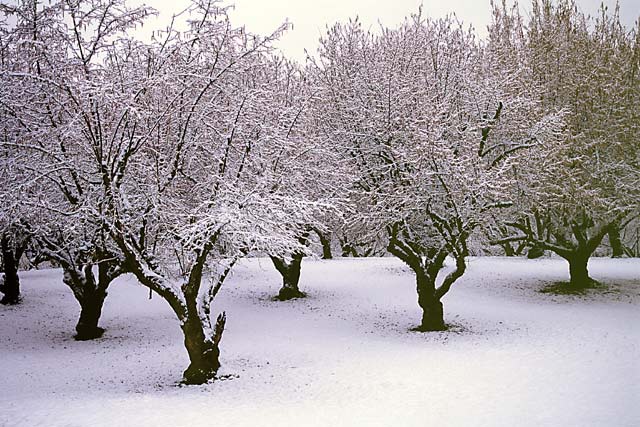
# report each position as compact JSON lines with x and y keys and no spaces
{"x":309,"y":18}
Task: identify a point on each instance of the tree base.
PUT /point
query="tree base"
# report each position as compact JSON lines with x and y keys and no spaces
{"x":432,"y":317}
{"x":569,"y":288}
{"x":10,"y":300}
{"x":286,"y":294}
{"x":535,"y":253}
{"x":195,"y":375}
{"x":87,"y":334}
{"x":11,"y":289}
{"x":439,"y":328}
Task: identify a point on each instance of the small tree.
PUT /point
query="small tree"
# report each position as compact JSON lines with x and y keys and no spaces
{"x":301,"y":165}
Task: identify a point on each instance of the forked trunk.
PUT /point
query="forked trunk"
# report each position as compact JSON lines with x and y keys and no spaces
{"x":508,"y":250}
{"x":204,"y":353}
{"x":578,"y":256}
{"x":191,"y":306}
{"x":290,"y":272}
{"x":90,"y":294}
{"x":349,"y":250}
{"x":10,"y":282}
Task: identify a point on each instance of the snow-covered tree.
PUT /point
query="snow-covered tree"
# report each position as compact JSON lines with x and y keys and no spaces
{"x":431,"y":124}
{"x":57,"y":104}
{"x":197,"y":189}
{"x":160,"y":159}
{"x":302,"y":165}
{"x":15,"y":235}
{"x":585,"y":186}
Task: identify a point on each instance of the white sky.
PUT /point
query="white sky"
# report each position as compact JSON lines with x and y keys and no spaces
{"x":310,"y":18}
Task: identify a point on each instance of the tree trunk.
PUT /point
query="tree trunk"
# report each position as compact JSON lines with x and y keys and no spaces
{"x":326,"y":245}
{"x":90,"y":311}
{"x":204,"y":354}
{"x":617,"y":248}
{"x":579,"y":274}
{"x":10,"y":284}
{"x":90,"y":294}
{"x":508,"y":250}
{"x":432,"y":310}
{"x":348,"y":250}
{"x":432,"y":317}
{"x":535,"y":252}
{"x":290,"y":272}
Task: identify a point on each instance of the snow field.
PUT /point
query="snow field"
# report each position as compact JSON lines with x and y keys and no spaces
{"x":344,"y":356}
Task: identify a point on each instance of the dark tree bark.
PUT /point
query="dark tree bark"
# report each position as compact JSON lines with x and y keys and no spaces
{"x":90,"y":294}
{"x":90,"y":291}
{"x":90,"y":312}
{"x":10,"y":284}
{"x":349,"y":250}
{"x":508,"y":250}
{"x":427,"y":263}
{"x":578,"y":272}
{"x":432,"y":309}
{"x":513,"y":250}
{"x":617,"y":248}
{"x":535,"y":252}
{"x":360,"y":249}
{"x":432,"y":317}
{"x":575,"y":243}
{"x":325,"y":241}
{"x":290,"y":271}
{"x":204,"y":354}
{"x":578,"y":253}
{"x":203,"y":351}
{"x":201,"y":338}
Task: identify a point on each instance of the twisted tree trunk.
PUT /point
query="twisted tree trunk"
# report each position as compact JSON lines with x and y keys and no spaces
{"x":290,"y":271}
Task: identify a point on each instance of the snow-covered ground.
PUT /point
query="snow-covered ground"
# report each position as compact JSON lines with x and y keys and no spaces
{"x":345,"y":356}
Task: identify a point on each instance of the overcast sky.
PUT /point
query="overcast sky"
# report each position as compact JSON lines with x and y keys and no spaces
{"x":310,"y":18}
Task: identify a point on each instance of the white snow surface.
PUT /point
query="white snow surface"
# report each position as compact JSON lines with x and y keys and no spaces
{"x":344,"y":356}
